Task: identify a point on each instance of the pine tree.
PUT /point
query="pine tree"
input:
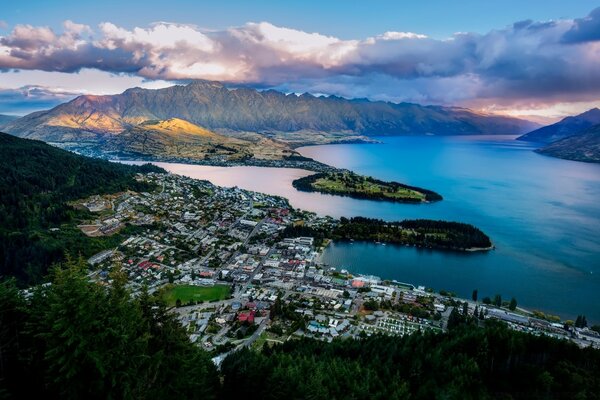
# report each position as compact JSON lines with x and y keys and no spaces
{"x":498,"y":300}
{"x":513,"y":304}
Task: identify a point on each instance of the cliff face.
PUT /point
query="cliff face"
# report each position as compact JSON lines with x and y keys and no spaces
{"x":215,"y":107}
{"x":585,"y":146}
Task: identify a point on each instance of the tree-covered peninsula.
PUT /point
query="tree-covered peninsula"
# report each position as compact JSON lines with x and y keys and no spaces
{"x":421,"y":233}
{"x":349,"y":184}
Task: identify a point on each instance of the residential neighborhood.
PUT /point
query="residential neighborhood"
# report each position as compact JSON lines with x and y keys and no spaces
{"x":230,"y":264}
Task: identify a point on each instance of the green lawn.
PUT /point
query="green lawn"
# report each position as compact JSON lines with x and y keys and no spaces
{"x":187,"y":293}
{"x":355,"y":184}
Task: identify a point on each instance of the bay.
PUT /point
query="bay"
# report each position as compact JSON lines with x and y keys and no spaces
{"x":542,"y":213}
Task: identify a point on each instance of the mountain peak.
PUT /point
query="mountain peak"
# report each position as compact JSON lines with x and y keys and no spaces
{"x":593,"y":114}
{"x":203,"y":83}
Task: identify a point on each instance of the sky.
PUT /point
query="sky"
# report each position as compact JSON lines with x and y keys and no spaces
{"x":535,"y":59}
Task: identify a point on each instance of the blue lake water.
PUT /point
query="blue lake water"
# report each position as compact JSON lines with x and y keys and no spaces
{"x":542,"y":213}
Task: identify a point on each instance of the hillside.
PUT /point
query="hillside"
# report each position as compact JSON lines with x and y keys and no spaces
{"x":585,"y":146}
{"x":466,"y":363}
{"x":36,"y":182}
{"x":177,"y":138}
{"x":566,"y":127}
{"x":223,"y":110}
{"x":5,"y":119}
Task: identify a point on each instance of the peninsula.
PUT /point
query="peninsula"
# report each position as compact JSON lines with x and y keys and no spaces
{"x":425,"y":233}
{"x":347,"y":183}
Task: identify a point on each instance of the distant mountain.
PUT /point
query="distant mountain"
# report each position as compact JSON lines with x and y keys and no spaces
{"x":215,"y":107}
{"x":566,"y":127}
{"x":182,"y":139}
{"x":5,"y":119}
{"x":584,"y":146}
{"x":36,"y":183}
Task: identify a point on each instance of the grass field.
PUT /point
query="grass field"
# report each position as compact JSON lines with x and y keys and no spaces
{"x":354,"y":184}
{"x":187,"y":293}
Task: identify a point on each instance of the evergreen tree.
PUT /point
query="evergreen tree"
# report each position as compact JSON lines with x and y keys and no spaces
{"x":78,"y":339}
{"x":498,"y":300}
{"x":513,"y":304}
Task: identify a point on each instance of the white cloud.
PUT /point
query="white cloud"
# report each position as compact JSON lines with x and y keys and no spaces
{"x":528,"y":61}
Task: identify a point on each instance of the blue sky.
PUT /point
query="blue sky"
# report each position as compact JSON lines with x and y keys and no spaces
{"x":537,"y":59}
{"x":347,"y":19}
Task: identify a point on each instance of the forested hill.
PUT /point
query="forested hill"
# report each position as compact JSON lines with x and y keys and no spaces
{"x":466,"y":363}
{"x":36,"y":182}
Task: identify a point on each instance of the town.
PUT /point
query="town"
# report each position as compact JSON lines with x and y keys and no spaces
{"x":233,"y":267}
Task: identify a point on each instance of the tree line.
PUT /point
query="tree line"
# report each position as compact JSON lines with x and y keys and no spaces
{"x":419,"y":232}
{"x":465,"y":363}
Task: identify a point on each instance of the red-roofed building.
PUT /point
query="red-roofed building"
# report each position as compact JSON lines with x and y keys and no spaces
{"x":357,"y":283}
{"x":247,"y":316}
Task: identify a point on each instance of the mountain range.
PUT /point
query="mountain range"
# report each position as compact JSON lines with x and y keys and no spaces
{"x":584,"y":146}
{"x":288,"y":117}
{"x":573,"y":138}
{"x":564,"y":128}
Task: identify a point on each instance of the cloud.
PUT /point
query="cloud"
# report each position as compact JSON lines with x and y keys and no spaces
{"x":584,"y":29}
{"x":527,"y":61}
{"x":31,"y":98}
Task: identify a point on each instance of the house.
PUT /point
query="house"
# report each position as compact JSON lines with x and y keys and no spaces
{"x":247,"y":317}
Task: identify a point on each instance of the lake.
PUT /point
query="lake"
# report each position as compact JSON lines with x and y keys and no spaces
{"x":542,"y":213}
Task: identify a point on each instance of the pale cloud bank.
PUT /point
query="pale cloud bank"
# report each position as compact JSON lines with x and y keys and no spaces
{"x":522,"y":64}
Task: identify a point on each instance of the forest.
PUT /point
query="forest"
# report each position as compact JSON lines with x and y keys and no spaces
{"x":465,"y":363}
{"x":79,"y":339}
{"x":421,"y":232}
{"x":36,"y":183}
{"x":364,"y":187}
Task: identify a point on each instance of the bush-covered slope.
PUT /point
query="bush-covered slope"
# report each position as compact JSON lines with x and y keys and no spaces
{"x":466,"y":363}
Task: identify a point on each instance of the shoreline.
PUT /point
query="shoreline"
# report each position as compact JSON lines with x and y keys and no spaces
{"x":419,"y":247}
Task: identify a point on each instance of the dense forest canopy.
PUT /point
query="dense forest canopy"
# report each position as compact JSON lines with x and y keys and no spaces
{"x":36,"y":182}
{"x":419,"y":232}
{"x":76,"y":339}
{"x":466,"y":363}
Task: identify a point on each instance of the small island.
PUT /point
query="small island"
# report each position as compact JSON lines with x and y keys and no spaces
{"x":347,"y":183}
{"x":421,"y":233}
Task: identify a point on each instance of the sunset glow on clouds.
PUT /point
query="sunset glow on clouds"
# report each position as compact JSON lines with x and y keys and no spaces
{"x":528,"y":65}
